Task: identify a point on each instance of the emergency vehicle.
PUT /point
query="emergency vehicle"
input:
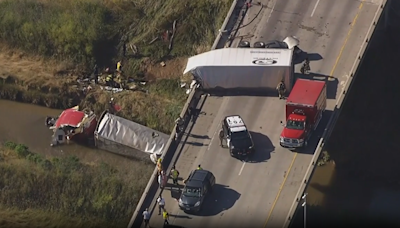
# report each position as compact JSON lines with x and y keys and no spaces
{"x":238,"y":138}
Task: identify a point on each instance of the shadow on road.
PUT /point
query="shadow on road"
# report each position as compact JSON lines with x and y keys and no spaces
{"x":263,"y":146}
{"x":311,"y":56}
{"x":314,"y":56}
{"x":198,"y":136}
{"x":222,"y":198}
{"x":196,"y":144}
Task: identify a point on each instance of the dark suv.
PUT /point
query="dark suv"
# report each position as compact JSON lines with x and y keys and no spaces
{"x":238,"y":138}
{"x":198,"y":185}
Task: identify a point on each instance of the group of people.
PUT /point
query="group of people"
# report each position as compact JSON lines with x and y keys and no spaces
{"x":160,"y":200}
{"x":163,"y":177}
{"x":162,"y":181}
{"x":161,"y":208}
{"x":111,"y":78}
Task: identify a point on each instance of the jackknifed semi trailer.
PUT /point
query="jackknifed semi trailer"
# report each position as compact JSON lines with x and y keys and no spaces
{"x":242,"y":68}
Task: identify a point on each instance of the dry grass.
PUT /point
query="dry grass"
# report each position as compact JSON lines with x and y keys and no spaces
{"x":60,"y":191}
{"x":35,"y":218}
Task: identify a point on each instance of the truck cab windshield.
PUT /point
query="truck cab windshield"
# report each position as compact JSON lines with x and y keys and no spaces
{"x":295,"y":125}
{"x":192,"y":192}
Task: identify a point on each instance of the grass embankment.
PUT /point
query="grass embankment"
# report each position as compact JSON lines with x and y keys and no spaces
{"x":72,"y":35}
{"x":63,"y":192}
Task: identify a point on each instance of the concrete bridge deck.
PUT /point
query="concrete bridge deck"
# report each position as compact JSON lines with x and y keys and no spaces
{"x":260,"y":193}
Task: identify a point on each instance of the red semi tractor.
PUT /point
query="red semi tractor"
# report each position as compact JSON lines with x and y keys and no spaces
{"x":304,"y":108}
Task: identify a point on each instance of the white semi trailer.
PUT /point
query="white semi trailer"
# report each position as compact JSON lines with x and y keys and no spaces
{"x":242,"y":68}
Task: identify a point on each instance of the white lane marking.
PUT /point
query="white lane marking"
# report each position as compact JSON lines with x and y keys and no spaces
{"x":315,"y":7}
{"x":241,"y":169}
{"x":272,"y":10}
{"x":211,"y":140}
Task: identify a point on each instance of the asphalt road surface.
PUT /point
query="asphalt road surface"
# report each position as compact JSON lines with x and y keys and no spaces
{"x":259,"y":193}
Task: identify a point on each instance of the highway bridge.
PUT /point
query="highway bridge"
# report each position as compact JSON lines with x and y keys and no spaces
{"x":262,"y":193}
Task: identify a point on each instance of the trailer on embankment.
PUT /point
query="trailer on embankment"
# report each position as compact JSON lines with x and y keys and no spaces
{"x":124,"y":137}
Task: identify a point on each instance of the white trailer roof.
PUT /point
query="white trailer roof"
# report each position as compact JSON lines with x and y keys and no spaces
{"x":131,"y":134}
{"x":241,"y":57}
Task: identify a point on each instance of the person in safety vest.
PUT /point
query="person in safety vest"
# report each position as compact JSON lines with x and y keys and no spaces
{"x":109,"y":78}
{"x":199,"y":167}
{"x":165,"y":217}
{"x":159,"y":165}
{"x":305,"y":68}
{"x":119,"y":66}
{"x":174,"y":175}
{"x":281,"y":88}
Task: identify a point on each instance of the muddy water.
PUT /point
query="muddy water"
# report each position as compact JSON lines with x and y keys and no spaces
{"x":24,"y":123}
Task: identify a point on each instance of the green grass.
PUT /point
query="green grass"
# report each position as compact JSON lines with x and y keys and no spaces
{"x":86,"y":31}
{"x":89,"y":30}
{"x":34,"y":186}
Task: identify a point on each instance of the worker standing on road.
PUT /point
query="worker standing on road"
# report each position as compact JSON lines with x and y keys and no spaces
{"x":221,"y":137}
{"x":161,"y":204}
{"x":199,"y":167}
{"x":177,"y":131}
{"x":175,"y":175}
{"x":164,"y":177}
{"x":165,"y":217}
{"x":305,"y":68}
{"x":146,"y":217}
{"x":160,"y":180}
{"x":281,"y":88}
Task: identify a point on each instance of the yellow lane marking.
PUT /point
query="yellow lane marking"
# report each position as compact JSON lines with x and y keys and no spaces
{"x":331,"y":74}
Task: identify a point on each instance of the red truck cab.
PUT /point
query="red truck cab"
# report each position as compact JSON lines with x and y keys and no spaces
{"x":304,"y":108}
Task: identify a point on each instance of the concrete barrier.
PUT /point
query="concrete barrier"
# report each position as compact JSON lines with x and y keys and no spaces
{"x":193,"y":98}
{"x":337,"y":109}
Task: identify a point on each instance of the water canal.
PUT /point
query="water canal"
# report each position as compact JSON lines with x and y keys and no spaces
{"x":24,"y":123}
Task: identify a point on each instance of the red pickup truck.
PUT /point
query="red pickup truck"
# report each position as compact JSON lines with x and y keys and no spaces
{"x":304,"y":108}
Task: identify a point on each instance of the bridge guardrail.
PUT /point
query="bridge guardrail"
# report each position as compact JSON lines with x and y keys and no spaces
{"x":335,"y":115}
{"x":193,"y":98}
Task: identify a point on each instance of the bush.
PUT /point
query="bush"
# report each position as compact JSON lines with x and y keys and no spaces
{"x":10,"y":145}
{"x":325,"y":158}
{"x":22,"y":150}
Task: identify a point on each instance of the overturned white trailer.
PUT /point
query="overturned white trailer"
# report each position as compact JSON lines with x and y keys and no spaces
{"x":242,"y":68}
{"x":121,"y":136}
